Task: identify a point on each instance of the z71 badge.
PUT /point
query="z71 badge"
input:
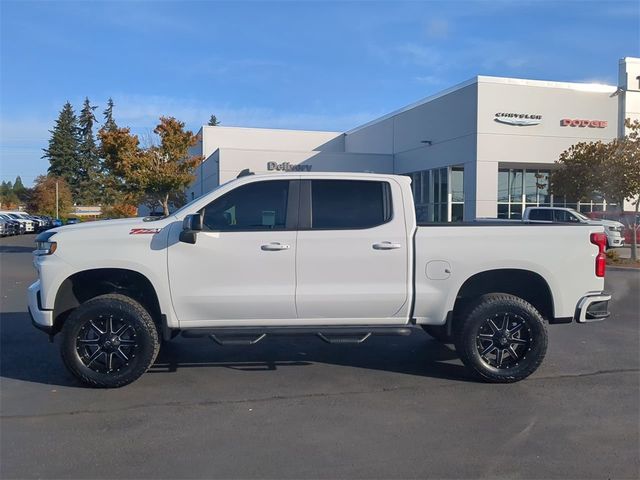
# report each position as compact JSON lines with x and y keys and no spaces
{"x":143,"y":231}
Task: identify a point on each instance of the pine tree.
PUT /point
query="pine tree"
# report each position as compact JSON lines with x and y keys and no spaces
{"x":20,"y":190}
{"x":89,"y":161}
{"x":109,"y":123}
{"x":63,"y":148}
{"x":213,"y":121}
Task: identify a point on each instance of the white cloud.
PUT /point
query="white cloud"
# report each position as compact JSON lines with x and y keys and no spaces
{"x":141,"y":112}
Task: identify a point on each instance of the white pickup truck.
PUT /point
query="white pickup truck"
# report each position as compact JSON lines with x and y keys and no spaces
{"x":339,"y":256}
{"x":614,"y":230}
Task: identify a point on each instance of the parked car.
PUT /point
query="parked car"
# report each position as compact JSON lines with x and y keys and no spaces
{"x":9,"y":227}
{"x":626,"y":218}
{"x":72,"y":221}
{"x":20,"y":226}
{"x":339,"y":256}
{"x":29,"y":224}
{"x":56,"y":222}
{"x":613,"y":229}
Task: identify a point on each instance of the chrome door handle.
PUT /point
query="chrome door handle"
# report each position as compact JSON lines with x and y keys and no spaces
{"x":274,"y":246}
{"x":386,"y":246}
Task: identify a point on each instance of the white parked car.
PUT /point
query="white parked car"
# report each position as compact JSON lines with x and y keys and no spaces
{"x":613,"y":229}
{"x":23,"y":218}
{"x":339,"y":256}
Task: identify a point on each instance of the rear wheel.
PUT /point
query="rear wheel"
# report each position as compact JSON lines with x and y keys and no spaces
{"x":109,"y":341}
{"x":502,"y":339}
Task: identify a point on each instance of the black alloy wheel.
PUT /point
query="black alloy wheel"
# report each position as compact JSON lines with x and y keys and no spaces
{"x":502,"y":338}
{"x":109,"y":341}
{"x":107,"y":344}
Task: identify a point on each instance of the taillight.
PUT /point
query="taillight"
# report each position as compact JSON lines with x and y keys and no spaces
{"x":600,"y":239}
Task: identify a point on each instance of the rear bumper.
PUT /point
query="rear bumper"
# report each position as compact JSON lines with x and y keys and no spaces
{"x":593,"y":307}
{"x":42,"y":319}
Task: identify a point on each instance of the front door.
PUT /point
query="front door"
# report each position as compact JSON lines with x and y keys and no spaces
{"x":242,"y":266}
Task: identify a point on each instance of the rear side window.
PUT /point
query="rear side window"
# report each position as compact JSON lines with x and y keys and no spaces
{"x":349,"y":204}
{"x":255,"y":206}
{"x":540,"y":214}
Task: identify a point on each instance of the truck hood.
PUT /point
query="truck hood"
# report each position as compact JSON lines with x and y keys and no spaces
{"x":119,"y":224}
{"x":606,"y":223}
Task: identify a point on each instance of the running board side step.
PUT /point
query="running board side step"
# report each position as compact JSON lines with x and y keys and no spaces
{"x":234,"y":336}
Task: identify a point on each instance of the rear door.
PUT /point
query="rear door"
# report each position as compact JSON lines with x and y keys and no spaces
{"x":352,"y":252}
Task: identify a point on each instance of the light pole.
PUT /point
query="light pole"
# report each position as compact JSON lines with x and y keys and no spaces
{"x":57,"y":214}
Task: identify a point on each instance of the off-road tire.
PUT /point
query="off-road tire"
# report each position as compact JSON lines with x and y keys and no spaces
{"x":141,"y":331}
{"x":471,"y":329}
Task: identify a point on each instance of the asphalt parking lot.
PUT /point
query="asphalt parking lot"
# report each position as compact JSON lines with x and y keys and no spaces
{"x":298,"y":408}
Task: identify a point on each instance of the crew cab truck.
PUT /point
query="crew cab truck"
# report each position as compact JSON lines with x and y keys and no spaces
{"x":337,"y":255}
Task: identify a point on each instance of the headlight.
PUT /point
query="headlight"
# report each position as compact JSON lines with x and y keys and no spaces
{"x":44,"y":244}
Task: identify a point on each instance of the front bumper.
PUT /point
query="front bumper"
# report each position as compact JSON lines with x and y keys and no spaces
{"x":593,"y":307}
{"x":616,"y":241}
{"x":42,"y":319}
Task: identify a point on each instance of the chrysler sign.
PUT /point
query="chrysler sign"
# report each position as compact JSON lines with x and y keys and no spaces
{"x":518,"y":119}
{"x":288,"y":167}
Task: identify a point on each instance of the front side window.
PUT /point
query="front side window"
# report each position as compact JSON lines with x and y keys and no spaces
{"x":254,"y":207}
{"x":564,"y":216}
{"x":349,"y":204}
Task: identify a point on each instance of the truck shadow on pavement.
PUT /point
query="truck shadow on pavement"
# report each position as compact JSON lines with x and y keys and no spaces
{"x":26,"y":355}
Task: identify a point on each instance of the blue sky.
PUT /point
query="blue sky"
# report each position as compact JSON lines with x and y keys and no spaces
{"x":307,"y":64}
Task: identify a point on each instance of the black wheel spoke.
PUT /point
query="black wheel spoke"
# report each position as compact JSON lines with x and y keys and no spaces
{"x":493,"y":326}
{"x":122,"y":330}
{"x":488,"y":350}
{"x":92,"y":358}
{"x":89,"y":341}
{"x":486,"y":337}
{"x":127,"y":342}
{"x":95,"y":327}
{"x":108,"y":324}
{"x":505,"y":323}
{"x":513,"y":353}
{"x":109,"y":361}
{"x":518,"y":341}
{"x":516,"y":329}
{"x":122,"y":355}
{"x":499,"y":355}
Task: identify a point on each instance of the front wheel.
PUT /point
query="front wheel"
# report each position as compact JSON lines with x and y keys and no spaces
{"x":502,"y":339}
{"x":109,"y":341}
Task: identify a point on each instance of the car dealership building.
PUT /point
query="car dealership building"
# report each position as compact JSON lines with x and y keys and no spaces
{"x":483,"y":148}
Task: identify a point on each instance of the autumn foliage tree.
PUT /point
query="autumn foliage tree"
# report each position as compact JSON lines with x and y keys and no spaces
{"x":611,"y":169}
{"x":154,"y":172}
{"x":42,"y":200}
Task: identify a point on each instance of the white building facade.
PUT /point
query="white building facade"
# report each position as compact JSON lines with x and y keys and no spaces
{"x":483,"y":148}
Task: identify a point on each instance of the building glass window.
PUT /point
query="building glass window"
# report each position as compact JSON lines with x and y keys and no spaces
{"x":438,"y":194}
{"x":519,"y":189}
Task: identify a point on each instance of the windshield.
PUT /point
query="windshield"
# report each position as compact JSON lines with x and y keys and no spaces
{"x":580,"y":216}
{"x":13,"y":215}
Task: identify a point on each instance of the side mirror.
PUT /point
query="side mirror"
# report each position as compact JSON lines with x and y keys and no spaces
{"x":191,"y":225}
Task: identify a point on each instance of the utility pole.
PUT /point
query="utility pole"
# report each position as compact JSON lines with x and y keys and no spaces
{"x":57,"y":214}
